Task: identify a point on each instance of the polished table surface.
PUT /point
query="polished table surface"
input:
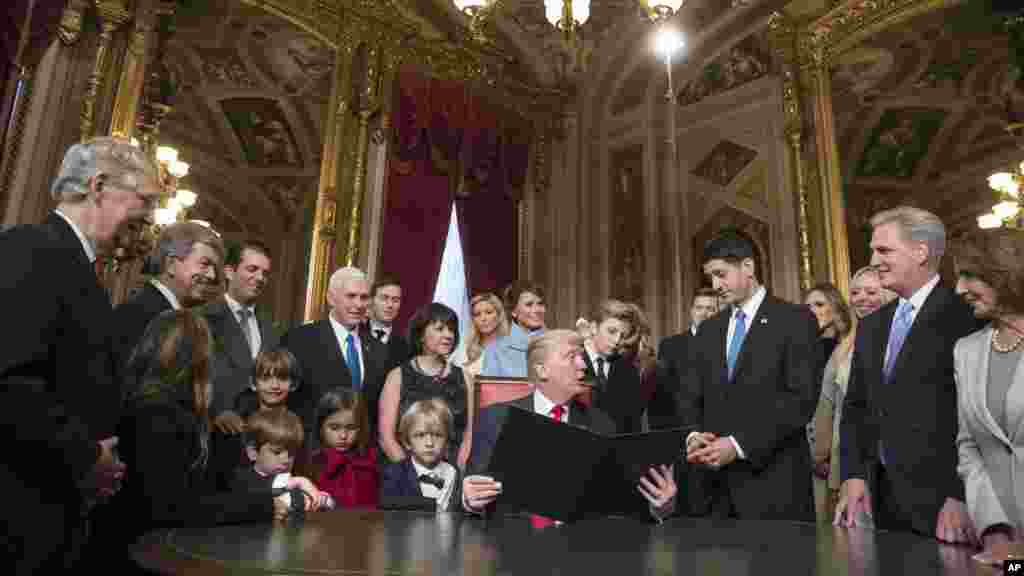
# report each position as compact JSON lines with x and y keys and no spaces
{"x":378,"y":542}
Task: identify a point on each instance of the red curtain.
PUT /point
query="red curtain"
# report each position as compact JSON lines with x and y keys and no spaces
{"x":451,"y":145}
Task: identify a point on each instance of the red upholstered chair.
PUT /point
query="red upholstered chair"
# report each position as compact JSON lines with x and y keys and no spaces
{"x":492,"y":390}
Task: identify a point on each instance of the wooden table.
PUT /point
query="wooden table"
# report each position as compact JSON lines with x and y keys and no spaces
{"x":378,"y":542}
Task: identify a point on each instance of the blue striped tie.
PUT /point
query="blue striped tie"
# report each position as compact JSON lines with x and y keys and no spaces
{"x":352,"y":361}
{"x":739,"y":333}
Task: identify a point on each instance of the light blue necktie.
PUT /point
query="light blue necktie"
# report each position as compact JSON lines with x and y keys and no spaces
{"x":352,"y":361}
{"x":897,"y":334}
{"x":736,"y":344}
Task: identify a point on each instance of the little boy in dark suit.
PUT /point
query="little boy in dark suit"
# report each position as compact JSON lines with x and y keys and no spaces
{"x":423,"y":481}
{"x":272,"y":437}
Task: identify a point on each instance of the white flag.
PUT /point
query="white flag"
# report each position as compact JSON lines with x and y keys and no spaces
{"x":451,"y":287}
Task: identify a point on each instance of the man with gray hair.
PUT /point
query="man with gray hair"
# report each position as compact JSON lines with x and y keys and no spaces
{"x":332,"y":353}
{"x":188,"y":257}
{"x":899,"y":421}
{"x":59,"y":397}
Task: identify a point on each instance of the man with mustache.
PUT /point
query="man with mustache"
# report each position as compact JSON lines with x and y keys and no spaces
{"x":239,"y":330}
{"x":59,"y":396}
{"x":189,"y":257}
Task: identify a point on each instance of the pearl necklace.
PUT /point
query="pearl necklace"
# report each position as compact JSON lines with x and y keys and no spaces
{"x":1005,"y":349}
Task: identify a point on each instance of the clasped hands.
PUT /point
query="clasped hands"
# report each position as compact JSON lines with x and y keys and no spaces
{"x":658,"y":487}
{"x":953,"y":525}
{"x":709,"y":449}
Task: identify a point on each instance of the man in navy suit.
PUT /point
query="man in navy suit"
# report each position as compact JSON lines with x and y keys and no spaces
{"x":59,"y":395}
{"x":899,"y":421}
{"x":750,"y":390}
{"x":333,"y":352}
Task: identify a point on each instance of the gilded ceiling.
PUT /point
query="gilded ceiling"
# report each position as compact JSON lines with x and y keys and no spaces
{"x":919,"y":118}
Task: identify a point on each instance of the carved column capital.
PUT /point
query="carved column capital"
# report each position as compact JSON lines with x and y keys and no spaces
{"x":70,"y":29}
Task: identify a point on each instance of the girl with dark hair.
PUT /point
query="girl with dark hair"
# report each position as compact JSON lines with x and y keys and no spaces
{"x":345,"y":465}
{"x":434,"y":334}
{"x":165,"y":441}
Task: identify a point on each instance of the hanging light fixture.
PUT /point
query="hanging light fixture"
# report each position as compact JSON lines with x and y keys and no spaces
{"x":1007,"y":212}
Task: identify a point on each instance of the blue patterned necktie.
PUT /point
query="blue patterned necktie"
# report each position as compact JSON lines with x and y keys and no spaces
{"x":739,"y":333}
{"x":352,"y":361}
{"x":897,"y":334}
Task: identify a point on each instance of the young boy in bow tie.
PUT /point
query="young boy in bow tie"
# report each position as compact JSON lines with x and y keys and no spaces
{"x":423,"y":481}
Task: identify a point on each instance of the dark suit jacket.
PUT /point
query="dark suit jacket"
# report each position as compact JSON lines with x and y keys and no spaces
{"x":323,"y":367}
{"x":765,"y":408}
{"x":131,"y":318}
{"x":400,"y":489}
{"x":915,"y":413}
{"x":663,"y":411}
{"x":233,"y":363}
{"x":619,"y":395}
{"x":58,"y":392}
{"x":398,"y":348}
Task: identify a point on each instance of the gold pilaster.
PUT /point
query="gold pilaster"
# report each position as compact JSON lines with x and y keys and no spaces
{"x":70,"y":29}
{"x":832,"y":202}
{"x":325,"y":226}
{"x":12,"y":144}
{"x":133,"y":76}
{"x":112,"y":14}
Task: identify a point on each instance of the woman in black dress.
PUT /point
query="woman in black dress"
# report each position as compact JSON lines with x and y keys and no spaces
{"x":434,"y":335}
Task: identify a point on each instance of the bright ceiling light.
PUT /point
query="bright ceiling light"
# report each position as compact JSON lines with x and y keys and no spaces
{"x":178,"y":169}
{"x":164,"y":216}
{"x":186,"y":198}
{"x":1006,"y":210}
{"x":166,"y":155}
{"x":668,"y":41}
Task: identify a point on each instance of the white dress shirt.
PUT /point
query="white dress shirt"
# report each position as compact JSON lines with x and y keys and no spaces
{"x":542,"y":405}
{"x":916,"y":301}
{"x":252,"y":327}
{"x":166,"y":292}
{"x":376,"y":326}
{"x":90,"y":251}
{"x":341,"y":333}
{"x":443,"y":470}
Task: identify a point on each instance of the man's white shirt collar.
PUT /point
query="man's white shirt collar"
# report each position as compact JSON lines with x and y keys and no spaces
{"x":542,"y":405}
{"x":166,"y":292}
{"x":751,"y":305}
{"x":236,"y":307}
{"x":90,"y":252}
{"x":918,"y":297}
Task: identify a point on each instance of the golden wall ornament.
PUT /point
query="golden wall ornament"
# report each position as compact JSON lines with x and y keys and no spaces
{"x":70,"y":28}
{"x":112,"y":14}
{"x":133,"y":77}
{"x":12,"y":145}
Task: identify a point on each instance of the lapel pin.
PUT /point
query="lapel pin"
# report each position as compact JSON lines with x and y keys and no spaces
{"x":764,"y":320}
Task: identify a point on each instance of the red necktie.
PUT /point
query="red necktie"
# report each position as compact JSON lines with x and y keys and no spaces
{"x":537,"y":521}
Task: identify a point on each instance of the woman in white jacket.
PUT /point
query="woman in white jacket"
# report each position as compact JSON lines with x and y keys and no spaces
{"x":990,"y":383}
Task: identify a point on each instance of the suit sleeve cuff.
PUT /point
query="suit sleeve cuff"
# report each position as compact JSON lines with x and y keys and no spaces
{"x":739,"y":451}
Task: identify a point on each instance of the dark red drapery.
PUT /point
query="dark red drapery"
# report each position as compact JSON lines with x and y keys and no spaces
{"x":451,"y":145}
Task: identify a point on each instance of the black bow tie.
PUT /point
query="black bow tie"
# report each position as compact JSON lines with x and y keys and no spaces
{"x":435,"y":481}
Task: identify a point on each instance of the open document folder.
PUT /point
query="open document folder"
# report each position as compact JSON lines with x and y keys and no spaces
{"x":566,"y":472}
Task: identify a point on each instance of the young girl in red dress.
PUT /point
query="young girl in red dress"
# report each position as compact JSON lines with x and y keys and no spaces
{"x":345,"y":465}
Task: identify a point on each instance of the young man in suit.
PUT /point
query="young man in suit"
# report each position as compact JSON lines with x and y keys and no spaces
{"x":750,"y":391}
{"x":332,"y":352}
{"x":189,"y":258}
{"x":59,"y":396}
{"x":556,"y":368}
{"x":615,"y":380}
{"x":899,"y":422}
{"x":672,"y":362}
{"x":240,"y":332}
{"x":385,"y":302}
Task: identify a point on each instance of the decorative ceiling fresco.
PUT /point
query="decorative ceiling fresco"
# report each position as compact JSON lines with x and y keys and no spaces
{"x":744,"y":62}
{"x":919,"y":119}
{"x":248,"y":114}
{"x":724,"y":162}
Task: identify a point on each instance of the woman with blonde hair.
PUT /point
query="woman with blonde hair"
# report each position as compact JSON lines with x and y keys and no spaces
{"x":489,"y":323}
{"x":866,"y":296}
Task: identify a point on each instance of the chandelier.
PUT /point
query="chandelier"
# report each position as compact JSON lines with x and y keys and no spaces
{"x":1007,"y":212}
{"x":566,"y":16}
{"x":177,"y":201}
